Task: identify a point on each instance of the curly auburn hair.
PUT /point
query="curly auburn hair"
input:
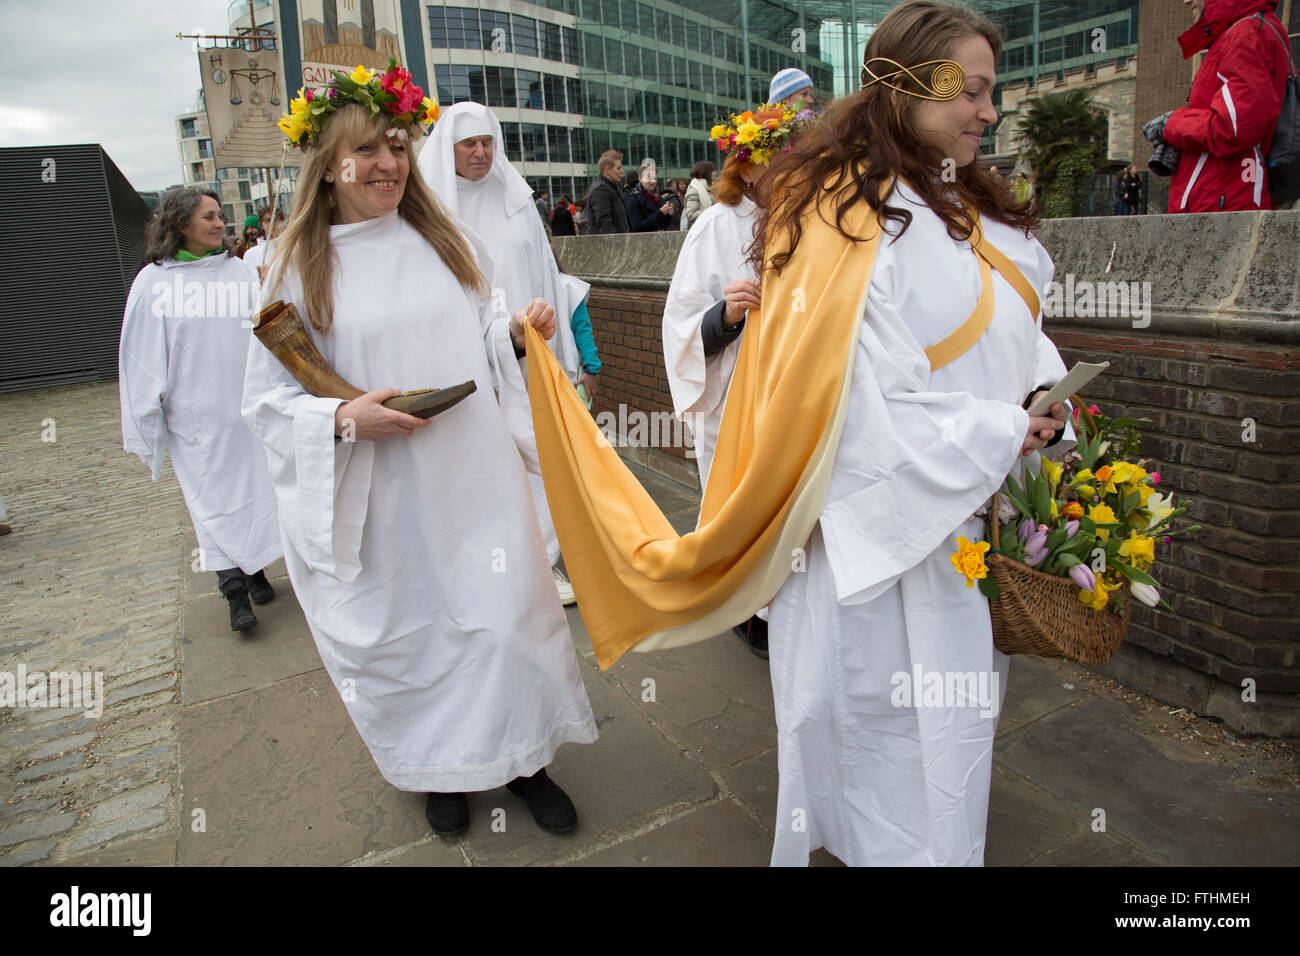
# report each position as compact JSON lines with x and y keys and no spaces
{"x":866,"y":139}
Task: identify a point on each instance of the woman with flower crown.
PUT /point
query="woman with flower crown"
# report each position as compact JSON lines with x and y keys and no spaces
{"x":411,"y":543}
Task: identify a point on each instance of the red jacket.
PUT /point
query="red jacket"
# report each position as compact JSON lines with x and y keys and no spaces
{"x":1225,"y":130}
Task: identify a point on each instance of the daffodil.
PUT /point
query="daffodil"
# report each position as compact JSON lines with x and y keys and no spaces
{"x":747,"y":131}
{"x":1102,"y":514}
{"x":1127,"y":473}
{"x":1161,"y":507}
{"x":719,"y":132}
{"x":1097,"y":597}
{"x":1086,"y":492}
{"x":1052,"y":470}
{"x":1139,"y":550}
{"x":969,"y":560}
{"x":360,"y":76}
{"x":1105,"y":476}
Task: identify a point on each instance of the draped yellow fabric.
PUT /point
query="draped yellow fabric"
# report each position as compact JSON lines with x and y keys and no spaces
{"x":636,"y":580}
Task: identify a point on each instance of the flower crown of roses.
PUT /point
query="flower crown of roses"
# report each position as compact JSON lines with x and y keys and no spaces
{"x":755,"y":136}
{"x":393,"y":93}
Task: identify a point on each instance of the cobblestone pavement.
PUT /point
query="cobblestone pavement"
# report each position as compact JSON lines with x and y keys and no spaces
{"x":215,"y":748}
{"x":91,"y":582}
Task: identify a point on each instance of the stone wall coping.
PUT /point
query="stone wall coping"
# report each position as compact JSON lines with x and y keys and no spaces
{"x":1233,"y":275}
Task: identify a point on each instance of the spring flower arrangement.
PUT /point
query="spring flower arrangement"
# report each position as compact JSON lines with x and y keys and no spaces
{"x":756,"y":136}
{"x":1097,"y":518}
{"x":392,"y":92}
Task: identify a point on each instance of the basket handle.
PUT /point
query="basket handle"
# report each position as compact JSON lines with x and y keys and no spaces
{"x":1088,"y":422}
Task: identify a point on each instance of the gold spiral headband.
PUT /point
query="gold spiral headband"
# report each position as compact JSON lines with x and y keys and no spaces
{"x":946,"y":79}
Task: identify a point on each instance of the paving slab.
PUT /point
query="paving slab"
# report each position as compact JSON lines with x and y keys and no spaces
{"x":1036,"y":686}
{"x":429,"y":851}
{"x":284,"y":779}
{"x":754,"y":784}
{"x":217,"y":661}
{"x":630,"y":776}
{"x":1155,"y":792}
{"x":720,"y":834}
{"x":147,"y":851}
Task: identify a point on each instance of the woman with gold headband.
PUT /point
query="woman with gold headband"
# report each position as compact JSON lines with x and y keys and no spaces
{"x":411,"y":543}
{"x":877,"y":403}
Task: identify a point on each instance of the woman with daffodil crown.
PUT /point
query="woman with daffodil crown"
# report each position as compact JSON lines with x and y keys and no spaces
{"x":411,"y":543}
{"x":877,"y":402}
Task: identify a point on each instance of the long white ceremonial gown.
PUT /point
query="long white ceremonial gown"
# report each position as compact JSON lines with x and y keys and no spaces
{"x":185,"y":338}
{"x":863,"y":771}
{"x":499,"y":209}
{"x":416,"y":559}
{"x":712,"y":255}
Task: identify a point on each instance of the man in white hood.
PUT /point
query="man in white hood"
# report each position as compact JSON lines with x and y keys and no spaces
{"x":464,"y":163}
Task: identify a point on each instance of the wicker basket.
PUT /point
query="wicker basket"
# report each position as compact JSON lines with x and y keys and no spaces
{"x":1041,"y":614}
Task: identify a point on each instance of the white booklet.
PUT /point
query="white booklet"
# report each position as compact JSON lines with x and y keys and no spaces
{"x":1075,"y":379}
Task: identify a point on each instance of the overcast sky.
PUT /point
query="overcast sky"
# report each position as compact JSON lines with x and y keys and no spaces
{"x":103,"y":71}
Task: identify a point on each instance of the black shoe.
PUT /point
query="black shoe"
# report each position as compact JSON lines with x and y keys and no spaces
{"x":551,"y":806}
{"x":241,"y":615}
{"x":447,"y":813}
{"x":259,"y":588}
{"x":754,"y":633}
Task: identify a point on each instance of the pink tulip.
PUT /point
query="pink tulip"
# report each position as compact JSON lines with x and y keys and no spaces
{"x":1071,"y":527}
{"x":1082,"y":575}
{"x":1155,"y":477}
{"x":1024,"y":530}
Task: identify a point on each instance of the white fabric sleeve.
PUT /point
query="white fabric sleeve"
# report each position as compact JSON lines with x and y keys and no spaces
{"x":913,"y":463}
{"x":142,"y":372}
{"x":509,"y":381}
{"x":322,"y":487}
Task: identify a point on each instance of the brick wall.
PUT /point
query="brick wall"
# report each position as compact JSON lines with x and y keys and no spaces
{"x":1235,"y":583}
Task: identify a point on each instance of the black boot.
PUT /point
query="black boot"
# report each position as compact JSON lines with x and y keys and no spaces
{"x":551,"y":806}
{"x":754,"y":633}
{"x":230,"y":583}
{"x":241,"y":615}
{"x":447,"y":813}
{"x":259,"y":588}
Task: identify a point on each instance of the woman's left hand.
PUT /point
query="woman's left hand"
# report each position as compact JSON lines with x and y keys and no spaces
{"x":537,"y":314}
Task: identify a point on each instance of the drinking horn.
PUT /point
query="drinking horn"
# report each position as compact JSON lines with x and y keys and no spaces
{"x":280,"y":329}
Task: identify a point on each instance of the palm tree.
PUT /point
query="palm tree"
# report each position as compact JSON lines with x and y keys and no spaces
{"x":1062,"y":137}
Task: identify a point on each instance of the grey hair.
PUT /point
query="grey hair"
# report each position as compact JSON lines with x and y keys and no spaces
{"x":167,"y":229}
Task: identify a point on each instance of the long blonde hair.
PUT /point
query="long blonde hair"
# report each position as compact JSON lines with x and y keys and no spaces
{"x":305,"y":242}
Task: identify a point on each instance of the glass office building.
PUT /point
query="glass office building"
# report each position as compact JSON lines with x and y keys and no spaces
{"x":571,"y":78}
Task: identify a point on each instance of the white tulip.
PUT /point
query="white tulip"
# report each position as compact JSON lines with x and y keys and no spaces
{"x":1145,"y":593}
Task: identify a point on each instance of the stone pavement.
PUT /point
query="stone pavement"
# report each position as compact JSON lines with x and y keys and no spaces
{"x":217,"y":748}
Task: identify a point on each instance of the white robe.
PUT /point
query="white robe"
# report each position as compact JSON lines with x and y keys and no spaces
{"x":872,"y":780}
{"x":499,"y":209}
{"x":712,"y":255}
{"x":180,"y":378}
{"x":416,"y":559}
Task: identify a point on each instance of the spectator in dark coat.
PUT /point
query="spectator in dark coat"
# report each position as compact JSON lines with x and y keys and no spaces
{"x":647,"y":211}
{"x":562,"y":218}
{"x":606,"y":202}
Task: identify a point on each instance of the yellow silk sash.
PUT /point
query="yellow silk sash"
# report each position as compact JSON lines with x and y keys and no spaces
{"x":636,"y":580}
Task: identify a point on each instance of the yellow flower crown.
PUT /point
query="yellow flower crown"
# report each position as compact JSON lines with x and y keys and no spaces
{"x":393,"y":93}
{"x":754,"y":137}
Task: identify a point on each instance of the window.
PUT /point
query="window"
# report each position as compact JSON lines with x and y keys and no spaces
{"x":477,"y":90}
{"x":494,"y":31}
{"x":534,"y":142}
{"x":554,"y":87}
{"x":205,"y":148}
{"x":227,"y":214}
{"x":243,"y":190}
{"x":187,"y":128}
{"x":525,"y":31}
{"x":574,"y":86}
{"x":558,"y":142}
{"x":528,"y":83}
{"x":463,"y":29}
{"x":552,"y":49}
{"x":578,"y":137}
{"x":442,"y":79}
{"x":593,"y":51}
{"x":501,"y":90}
{"x":514,"y":150}
{"x":570,"y":44}
{"x":437,"y":28}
